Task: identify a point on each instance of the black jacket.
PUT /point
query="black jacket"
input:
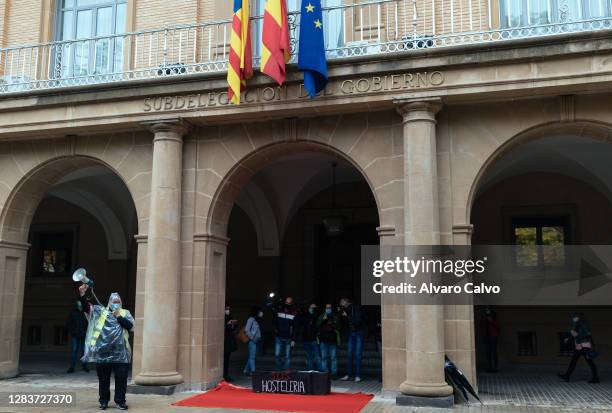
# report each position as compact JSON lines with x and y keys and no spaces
{"x":77,"y":323}
{"x":285,"y":322}
{"x":356,"y":318}
{"x":308,"y":324}
{"x":229,"y":343}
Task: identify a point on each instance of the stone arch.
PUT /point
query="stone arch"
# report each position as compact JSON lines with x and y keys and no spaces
{"x":582,"y":128}
{"x":242,"y":171}
{"x":22,"y":202}
{"x":228,"y":156}
{"x":30,"y":169}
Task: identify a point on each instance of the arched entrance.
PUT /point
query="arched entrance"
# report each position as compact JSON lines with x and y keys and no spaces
{"x":548,"y":187}
{"x":275,"y":207}
{"x":64,"y":213}
{"x":313,"y":210}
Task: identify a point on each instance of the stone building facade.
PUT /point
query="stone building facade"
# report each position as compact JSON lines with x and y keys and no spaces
{"x":429,"y":131}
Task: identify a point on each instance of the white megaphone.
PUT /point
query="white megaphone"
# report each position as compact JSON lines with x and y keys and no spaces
{"x":80,"y":275}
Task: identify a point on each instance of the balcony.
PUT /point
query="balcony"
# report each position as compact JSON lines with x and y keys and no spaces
{"x":367,"y":28}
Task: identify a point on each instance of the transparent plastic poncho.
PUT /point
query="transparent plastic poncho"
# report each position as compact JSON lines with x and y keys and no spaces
{"x":111,"y":344}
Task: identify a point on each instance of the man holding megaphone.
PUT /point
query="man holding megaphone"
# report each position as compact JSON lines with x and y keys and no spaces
{"x":107,"y":344}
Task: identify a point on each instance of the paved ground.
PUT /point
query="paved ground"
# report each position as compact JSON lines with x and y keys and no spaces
{"x":521,"y":390}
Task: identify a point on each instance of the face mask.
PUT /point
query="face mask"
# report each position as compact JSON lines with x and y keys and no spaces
{"x":79,"y":306}
{"x":575,"y":319}
{"x":227,"y":312}
{"x":115,"y":306}
{"x":328,"y":311}
{"x":260,"y":314}
{"x":311,"y":310}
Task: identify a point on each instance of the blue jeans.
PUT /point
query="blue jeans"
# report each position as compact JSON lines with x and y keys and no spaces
{"x":313,"y":361}
{"x":76,"y":347}
{"x":328,"y":350}
{"x":250,"y":365}
{"x":282,"y":349}
{"x":355,"y":350}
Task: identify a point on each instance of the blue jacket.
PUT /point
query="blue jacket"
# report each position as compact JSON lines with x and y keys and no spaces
{"x":252,"y":330}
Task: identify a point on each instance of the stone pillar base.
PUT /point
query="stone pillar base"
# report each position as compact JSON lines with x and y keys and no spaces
{"x":8,"y":373}
{"x":158,"y":379}
{"x":161,"y":390}
{"x":443,"y":402}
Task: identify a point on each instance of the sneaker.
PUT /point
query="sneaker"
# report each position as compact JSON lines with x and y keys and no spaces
{"x":594,"y":380}
{"x":70,"y":370}
{"x":85,"y":368}
{"x":103,"y":406}
{"x":122,"y":406}
{"x":357,"y":379}
{"x":345,"y":378}
{"x":563,"y":377}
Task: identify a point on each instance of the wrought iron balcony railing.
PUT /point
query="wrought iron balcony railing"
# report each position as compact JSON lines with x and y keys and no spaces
{"x":364,"y":28}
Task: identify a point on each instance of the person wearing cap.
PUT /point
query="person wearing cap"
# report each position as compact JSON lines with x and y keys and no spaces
{"x":583,"y":347}
{"x":107,"y":345}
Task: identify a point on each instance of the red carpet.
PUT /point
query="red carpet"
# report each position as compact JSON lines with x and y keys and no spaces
{"x":228,"y":396}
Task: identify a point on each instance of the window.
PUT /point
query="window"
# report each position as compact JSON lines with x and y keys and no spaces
{"x":34,"y":335}
{"x":332,"y":23}
{"x":540,"y":241}
{"x":520,"y":13}
{"x":527,"y":343}
{"x":53,"y":250}
{"x":259,"y":7}
{"x":86,"y":19}
{"x":60,"y":336}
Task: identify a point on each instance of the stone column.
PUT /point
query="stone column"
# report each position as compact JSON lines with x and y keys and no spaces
{"x":459,"y":320}
{"x":424,"y":327}
{"x":12,"y":278}
{"x":161,"y":309}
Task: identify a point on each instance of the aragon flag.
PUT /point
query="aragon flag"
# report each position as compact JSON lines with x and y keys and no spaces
{"x":311,"y":56}
{"x":240,"y":65}
{"x":275,"y":52}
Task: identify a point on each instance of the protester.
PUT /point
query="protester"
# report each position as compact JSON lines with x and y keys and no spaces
{"x":285,"y":330}
{"x":308,"y":323}
{"x":356,"y":323}
{"x":253,"y":332}
{"x":378,"y":338}
{"x":328,"y":335}
{"x":491,"y":331}
{"x":77,"y":327}
{"x":107,"y":344}
{"x":229,"y":343}
{"x":583,"y":346}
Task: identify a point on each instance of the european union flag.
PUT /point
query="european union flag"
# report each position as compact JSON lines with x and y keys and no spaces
{"x":311,"y":56}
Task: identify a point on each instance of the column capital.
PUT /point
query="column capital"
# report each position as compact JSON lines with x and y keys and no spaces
{"x":413,"y":110}
{"x":15,"y":245}
{"x":217,"y":239}
{"x":164,"y":127}
{"x":385,"y":231}
{"x":466,"y":229}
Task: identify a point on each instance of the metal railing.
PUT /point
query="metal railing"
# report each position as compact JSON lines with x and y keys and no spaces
{"x":361,"y":28}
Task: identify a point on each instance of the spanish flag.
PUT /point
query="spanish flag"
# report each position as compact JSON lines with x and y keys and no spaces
{"x":240,"y":66}
{"x":275,"y":40}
